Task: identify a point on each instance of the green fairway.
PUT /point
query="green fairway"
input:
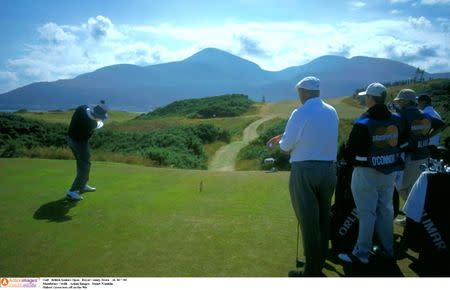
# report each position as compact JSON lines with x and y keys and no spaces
{"x":144,"y":222}
{"x":149,"y":222}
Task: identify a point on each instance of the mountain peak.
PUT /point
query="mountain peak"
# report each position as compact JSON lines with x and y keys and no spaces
{"x":327,"y":59}
{"x":217,"y":56}
{"x":210,"y":53}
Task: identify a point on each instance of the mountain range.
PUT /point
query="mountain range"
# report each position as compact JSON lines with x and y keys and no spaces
{"x":209,"y":72}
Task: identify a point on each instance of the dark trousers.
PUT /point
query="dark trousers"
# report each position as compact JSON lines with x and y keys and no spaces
{"x":311,"y":185}
{"x":82,"y":154}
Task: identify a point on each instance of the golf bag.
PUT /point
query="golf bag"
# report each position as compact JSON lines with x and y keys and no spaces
{"x":344,"y":219}
{"x":431,"y":236}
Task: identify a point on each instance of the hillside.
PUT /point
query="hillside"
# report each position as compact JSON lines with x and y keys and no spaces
{"x":204,"y":108}
{"x":150,"y":222}
{"x":207,"y":73}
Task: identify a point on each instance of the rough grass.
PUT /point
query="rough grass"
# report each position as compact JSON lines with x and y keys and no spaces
{"x":64,"y":153}
{"x":148,"y":222}
{"x":343,"y":105}
{"x":235,"y":125}
{"x":65,"y":116}
{"x":211,"y":149}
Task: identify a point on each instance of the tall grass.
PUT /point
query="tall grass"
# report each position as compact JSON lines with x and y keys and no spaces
{"x":65,"y":153}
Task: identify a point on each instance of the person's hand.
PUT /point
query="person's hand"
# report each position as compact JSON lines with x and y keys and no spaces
{"x":273,"y":141}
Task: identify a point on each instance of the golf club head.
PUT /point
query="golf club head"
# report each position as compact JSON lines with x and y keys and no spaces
{"x":299,"y":263}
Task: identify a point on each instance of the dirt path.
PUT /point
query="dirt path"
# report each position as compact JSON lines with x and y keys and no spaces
{"x":225,"y":157}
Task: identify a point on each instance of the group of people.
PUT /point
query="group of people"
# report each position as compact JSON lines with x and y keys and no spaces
{"x":385,"y":148}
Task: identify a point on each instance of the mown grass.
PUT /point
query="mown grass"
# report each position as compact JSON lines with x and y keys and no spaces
{"x":144,"y":222}
{"x":148,"y":222}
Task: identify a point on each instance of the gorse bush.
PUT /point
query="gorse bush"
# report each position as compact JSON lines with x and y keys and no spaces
{"x":167,"y":157}
{"x":257,"y":150}
{"x":180,"y":146}
{"x":210,"y":107}
{"x":30,"y":133}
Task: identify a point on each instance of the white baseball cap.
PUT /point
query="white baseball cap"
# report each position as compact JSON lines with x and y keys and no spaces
{"x":99,"y":111}
{"x":309,"y":83}
{"x":374,"y":89}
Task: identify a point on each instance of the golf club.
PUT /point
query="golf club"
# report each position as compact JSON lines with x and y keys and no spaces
{"x":298,"y":262}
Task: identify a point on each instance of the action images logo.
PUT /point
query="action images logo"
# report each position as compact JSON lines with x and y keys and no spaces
{"x":4,"y":282}
{"x":19,"y":282}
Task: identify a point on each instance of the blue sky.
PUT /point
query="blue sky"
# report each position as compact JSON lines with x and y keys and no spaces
{"x":45,"y":40}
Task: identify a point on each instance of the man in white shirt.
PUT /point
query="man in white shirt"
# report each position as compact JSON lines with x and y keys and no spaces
{"x":310,"y":137}
{"x":424,"y":103}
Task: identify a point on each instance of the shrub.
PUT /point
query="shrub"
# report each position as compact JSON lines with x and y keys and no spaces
{"x":10,"y":149}
{"x":210,"y":107}
{"x":181,"y":146}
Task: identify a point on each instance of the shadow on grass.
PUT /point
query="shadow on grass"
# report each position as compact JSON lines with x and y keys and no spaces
{"x":429,"y":266}
{"x":55,"y":211}
{"x":378,"y":267}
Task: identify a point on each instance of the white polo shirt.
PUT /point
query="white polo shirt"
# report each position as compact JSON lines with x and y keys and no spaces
{"x":311,"y":132}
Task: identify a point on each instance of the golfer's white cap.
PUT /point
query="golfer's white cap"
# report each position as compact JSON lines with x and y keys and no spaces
{"x":309,"y":83}
{"x":99,"y":111}
{"x":374,"y":89}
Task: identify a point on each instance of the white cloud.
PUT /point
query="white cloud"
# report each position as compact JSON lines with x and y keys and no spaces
{"x":54,"y":33}
{"x":399,"y":1}
{"x":138,"y":53}
{"x":355,"y":5}
{"x":395,"y":12}
{"x":419,"y":23}
{"x":72,"y":50}
{"x":434,"y":2}
{"x":8,"y":81}
{"x":99,"y":26}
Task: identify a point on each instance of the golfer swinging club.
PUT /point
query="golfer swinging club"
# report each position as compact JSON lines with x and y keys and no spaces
{"x":84,"y":121}
{"x":310,"y":137}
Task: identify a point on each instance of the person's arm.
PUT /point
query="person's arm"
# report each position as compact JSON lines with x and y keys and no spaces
{"x":292,"y":132}
{"x":273,"y":141}
{"x":437,"y":126}
{"x":403,"y":137}
{"x":357,"y":144}
{"x":289,"y":135}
